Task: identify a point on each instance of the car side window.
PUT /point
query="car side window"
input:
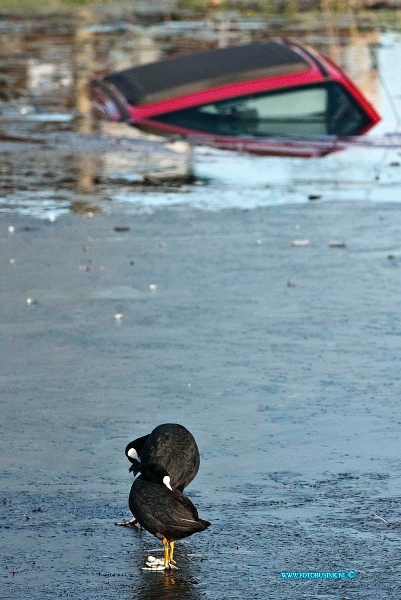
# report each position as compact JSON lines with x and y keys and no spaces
{"x":314,"y":110}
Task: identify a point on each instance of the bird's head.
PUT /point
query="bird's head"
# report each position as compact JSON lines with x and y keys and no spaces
{"x":156,"y":474}
{"x":133,"y":453}
{"x":133,"y":456}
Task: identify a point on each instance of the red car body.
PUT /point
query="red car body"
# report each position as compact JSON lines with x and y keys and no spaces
{"x":275,"y":97}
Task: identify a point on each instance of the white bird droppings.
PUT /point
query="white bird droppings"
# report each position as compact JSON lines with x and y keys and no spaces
{"x":300,"y":243}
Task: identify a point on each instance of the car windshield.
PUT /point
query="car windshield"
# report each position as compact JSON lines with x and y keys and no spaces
{"x":320,"y":109}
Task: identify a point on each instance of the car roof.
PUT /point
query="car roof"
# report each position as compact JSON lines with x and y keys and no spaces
{"x":192,"y":73}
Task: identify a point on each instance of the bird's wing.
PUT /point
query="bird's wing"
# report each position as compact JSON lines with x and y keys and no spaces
{"x":185,"y":507}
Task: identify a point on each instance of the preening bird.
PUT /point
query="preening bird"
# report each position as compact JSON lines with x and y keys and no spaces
{"x":163,"y":511}
{"x":170,"y":445}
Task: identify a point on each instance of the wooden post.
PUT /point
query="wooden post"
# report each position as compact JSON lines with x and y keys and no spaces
{"x":83,"y":69}
{"x":326,"y":6}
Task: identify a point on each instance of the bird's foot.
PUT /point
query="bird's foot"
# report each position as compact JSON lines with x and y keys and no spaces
{"x":130,"y":523}
{"x":157,"y":564}
{"x":153,"y":564}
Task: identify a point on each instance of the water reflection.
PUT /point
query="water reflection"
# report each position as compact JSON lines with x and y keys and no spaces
{"x":44,"y":170}
{"x":87,"y":172}
{"x":85,"y":209}
{"x":179,"y":585}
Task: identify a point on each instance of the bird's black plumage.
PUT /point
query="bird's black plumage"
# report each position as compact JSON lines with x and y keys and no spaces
{"x":164,"y":512}
{"x":170,"y":445}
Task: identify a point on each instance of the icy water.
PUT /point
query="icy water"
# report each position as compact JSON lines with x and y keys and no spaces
{"x":49,"y":172}
{"x":265,"y":322}
{"x":282,"y":360}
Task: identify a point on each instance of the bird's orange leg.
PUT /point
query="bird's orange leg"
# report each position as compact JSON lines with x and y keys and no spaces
{"x":171,"y":560}
{"x":166,"y":553}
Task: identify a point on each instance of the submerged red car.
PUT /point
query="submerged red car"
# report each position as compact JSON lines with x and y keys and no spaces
{"x":239,"y":96}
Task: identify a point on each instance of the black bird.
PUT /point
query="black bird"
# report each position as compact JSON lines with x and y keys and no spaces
{"x":163,"y":511}
{"x":170,"y":445}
